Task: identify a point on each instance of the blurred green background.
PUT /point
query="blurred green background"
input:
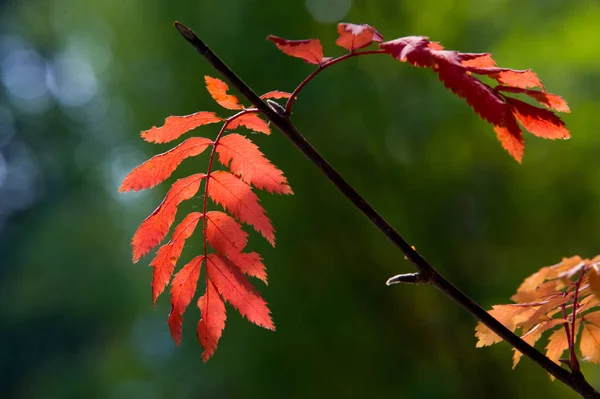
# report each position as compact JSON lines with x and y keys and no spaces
{"x":81,"y":79}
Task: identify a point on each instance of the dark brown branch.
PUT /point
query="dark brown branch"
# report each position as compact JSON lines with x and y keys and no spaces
{"x":427,"y":273}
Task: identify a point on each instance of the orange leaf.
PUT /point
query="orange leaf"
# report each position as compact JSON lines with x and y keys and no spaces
{"x":224,"y":234}
{"x":250,"y":121}
{"x":236,"y":290}
{"x":212,"y":323}
{"x":534,"y":335}
{"x":237,"y":197}
{"x":276,"y":94}
{"x":505,"y":315}
{"x":218,"y":90}
{"x":353,"y":37}
{"x":310,"y":51}
{"x":594,"y":279}
{"x":168,"y":254}
{"x":175,"y":126}
{"x":158,"y":168}
{"x":589,"y":343}
{"x":557,"y":344}
{"x":250,"y":164}
{"x":182,"y":292}
{"x":156,"y":226}
{"x":539,"y":122}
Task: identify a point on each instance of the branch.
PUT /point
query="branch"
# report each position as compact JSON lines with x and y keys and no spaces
{"x":426,"y":272}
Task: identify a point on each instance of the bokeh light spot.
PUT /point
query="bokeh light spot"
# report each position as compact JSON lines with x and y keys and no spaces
{"x":328,"y":11}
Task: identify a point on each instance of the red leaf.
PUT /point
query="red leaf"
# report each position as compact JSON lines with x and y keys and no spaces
{"x":249,"y":163}
{"x":156,"y":226}
{"x":511,"y":138}
{"x":413,"y":49}
{"x":218,"y":90}
{"x":182,"y":292}
{"x":236,"y":290}
{"x":551,"y":101}
{"x":224,"y":234}
{"x":310,"y":51}
{"x":523,"y":79}
{"x":168,"y":254}
{"x":175,"y":126}
{"x":238,"y":198}
{"x":159,"y":168}
{"x":456,"y":71}
{"x":482,"y":98}
{"x":212,"y":323}
{"x":251,"y":264}
{"x":276,"y":94}
{"x":250,"y":121}
{"x":538,"y":121}
{"x":353,"y":37}
{"x":477,"y":60}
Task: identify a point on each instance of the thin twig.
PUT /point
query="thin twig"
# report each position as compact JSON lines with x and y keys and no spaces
{"x":575,"y":381}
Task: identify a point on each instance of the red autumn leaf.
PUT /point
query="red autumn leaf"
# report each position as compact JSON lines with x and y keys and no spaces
{"x":550,"y":101}
{"x":245,"y":160}
{"x":250,"y":121}
{"x":182,"y":292}
{"x":276,"y":94}
{"x":522,"y":79}
{"x":167,"y":255}
{"x":237,"y":197}
{"x":159,"y":168}
{"x":310,"y":50}
{"x":538,"y":121}
{"x":414,"y":49}
{"x":236,"y":290}
{"x":353,"y":37}
{"x":510,"y":136}
{"x":251,"y":264}
{"x":156,"y":226}
{"x":477,"y":60}
{"x":175,"y":126}
{"x":218,"y":90}
{"x":456,"y":70}
{"x":224,"y":233}
{"x":212,"y":323}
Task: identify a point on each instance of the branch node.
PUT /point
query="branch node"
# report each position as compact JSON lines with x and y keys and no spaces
{"x":409,"y":278}
{"x":275,"y":106}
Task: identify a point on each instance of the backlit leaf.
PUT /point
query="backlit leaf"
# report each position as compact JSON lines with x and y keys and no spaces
{"x":245,"y":160}
{"x":353,"y":37}
{"x":218,"y":91}
{"x":310,"y":51}
{"x":158,"y":168}
{"x":156,"y":226}
{"x":175,"y":126}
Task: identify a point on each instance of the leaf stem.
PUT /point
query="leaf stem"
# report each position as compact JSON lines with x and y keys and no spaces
{"x":570,"y":342}
{"x":325,"y":65}
{"x":209,"y":171}
{"x":574,"y":363}
{"x":575,"y":381}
